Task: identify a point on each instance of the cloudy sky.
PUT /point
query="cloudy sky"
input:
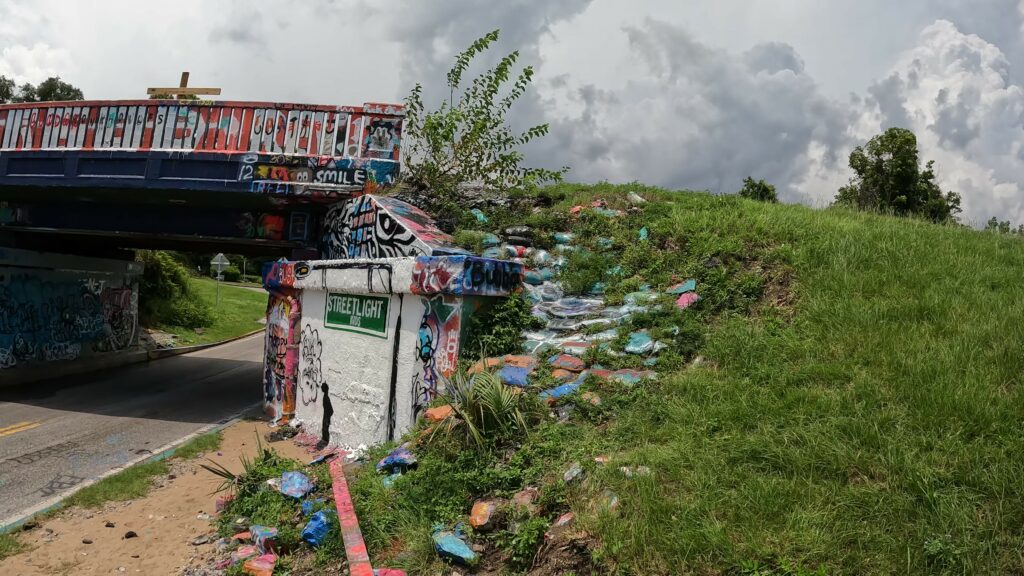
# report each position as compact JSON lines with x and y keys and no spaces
{"x":690,"y":94}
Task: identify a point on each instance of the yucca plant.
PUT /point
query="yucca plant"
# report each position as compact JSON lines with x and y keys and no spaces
{"x":485,"y":411}
{"x":250,"y":467}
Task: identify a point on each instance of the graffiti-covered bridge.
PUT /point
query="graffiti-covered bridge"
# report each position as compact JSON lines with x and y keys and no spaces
{"x":245,"y":177}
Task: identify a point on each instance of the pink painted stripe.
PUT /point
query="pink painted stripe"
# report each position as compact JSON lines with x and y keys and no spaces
{"x":355,"y":548}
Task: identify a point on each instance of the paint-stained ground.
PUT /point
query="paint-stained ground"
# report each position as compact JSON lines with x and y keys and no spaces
{"x":55,"y":436}
{"x":167,"y":521}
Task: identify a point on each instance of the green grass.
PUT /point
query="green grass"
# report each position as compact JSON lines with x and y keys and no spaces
{"x":208,"y":442}
{"x":238,"y":313}
{"x":858,"y":411}
{"x":128,"y":484}
{"x":9,"y":545}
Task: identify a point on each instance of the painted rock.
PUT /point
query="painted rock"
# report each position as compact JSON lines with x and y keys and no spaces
{"x":490,"y":240}
{"x":597,"y":289}
{"x":223,"y":502}
{"x":398,"y":460}
{"x":520,"y":361}
{"x":573,"y":307}
{"x":514,"y":376}
{"x":682,"y":288}
{"x":486,"y":364}
{"x":643,"y":234}
{"x":260,"y":566}
{"x":592,"y":398}
{"x":493,"y":252}
{"x":243,"y":552}
{"x":264,"y":537}
{"x":438,"y":413}
{"x":575,"y":210}
{"x":639,"y":343}
{"x":562,"y":375}
{"x":630,"y":377}
{"x":295,"y":484}
{"x":687,"y":300}
{"x":639,"y":298}
{"x":636,"y":198}
{"x":480,"y":216}
{"x":520,"y":241}
{"x":565,"y":389}
{"x":564,"y":237}
{"x":602,"y":459}
{"x":519,"y":231}
{"x":574,"y":472}
{"x":451,"y":546}
{"x":609,"y":500}
{"x":541,"y":256}
{"x":567,"y":362}
{"x":561,"y":526}
{"x":484,"y":514}
{"x":534,"y":277}
{"x":316,"y":530}
{"x":574,"y":347}
{"x":388,"y":572}
{"x":547,"y":274}
{"x":526,"y":499}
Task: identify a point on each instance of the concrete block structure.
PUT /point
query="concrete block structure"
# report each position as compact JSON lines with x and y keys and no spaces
{"x":358,"y":345}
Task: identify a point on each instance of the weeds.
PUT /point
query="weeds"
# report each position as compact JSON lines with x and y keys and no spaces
{"x":128,"y":484}
{"x":9,"y":545}
{"x":486,"y":413}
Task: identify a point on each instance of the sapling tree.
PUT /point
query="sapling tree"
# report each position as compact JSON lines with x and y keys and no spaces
{"x":467,"y":139}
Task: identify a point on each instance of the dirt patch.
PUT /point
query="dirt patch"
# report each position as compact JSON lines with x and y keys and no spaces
{"x":566,"y":555}
{"x":166,"y":521}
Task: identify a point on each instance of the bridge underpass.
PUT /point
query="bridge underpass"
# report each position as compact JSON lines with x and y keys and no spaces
{"x":83,"y":184}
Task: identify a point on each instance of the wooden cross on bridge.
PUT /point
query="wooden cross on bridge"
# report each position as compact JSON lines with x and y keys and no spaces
{"x":183,"y":90}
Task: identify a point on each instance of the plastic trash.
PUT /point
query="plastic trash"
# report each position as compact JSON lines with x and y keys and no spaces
{"x":295,"y":484}
{"x":480,"y":216}
{"x":317,"y":528}
{"x":451,"y":546}
{"x":398,"y":460}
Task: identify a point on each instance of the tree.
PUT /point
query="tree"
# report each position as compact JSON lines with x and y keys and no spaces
{"x":759,"y":190}
{"x":1003,"y":227}
{"x":468,"y":140}
{"x":50,"y":90}
{"x":888,"y":178}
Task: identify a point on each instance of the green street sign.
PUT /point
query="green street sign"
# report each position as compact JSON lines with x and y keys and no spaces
{"x":357,"y":313}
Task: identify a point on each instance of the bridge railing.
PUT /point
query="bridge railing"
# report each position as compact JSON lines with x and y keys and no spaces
{"x":372,"y":131}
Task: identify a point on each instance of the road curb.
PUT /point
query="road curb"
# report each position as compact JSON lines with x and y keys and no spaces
{"x":18,"y":520}
{"x":74,"y":368}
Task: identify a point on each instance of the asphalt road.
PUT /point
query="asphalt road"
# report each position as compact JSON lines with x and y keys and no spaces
{"x":56,"y":435}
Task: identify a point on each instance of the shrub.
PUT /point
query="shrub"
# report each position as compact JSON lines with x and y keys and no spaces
{"x":165,"y":296}
{"x":499,"y":329}
{"x":232,"y":274}
{"x":759,"y":190}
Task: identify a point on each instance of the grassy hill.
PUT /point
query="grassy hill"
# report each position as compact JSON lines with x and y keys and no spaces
{"x":845,"y":399}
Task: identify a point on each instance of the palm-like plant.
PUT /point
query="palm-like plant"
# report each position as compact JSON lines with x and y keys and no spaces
{"x":484,"y":410}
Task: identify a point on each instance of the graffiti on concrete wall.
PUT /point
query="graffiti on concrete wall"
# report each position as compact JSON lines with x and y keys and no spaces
{"x":280,"y":357}
{"x":382,"y":138}
{"x":315,"y":178}
{"x":262,"y":225}
{"x":312,"y":375}
{"x":465,"y":276}
{"x":377,"y":227}
{"x":51,"y":316}
{"x":437,"y":347}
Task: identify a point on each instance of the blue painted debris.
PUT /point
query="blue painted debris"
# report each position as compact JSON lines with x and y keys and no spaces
{"x":480,"y":216}
{"x":547,"y":274}
{"x":309,"y":505}
{"x":493,"y":252}
{"x":639,"y":343}
{"x":317,"y":528}
{"x":295,"y":484}
{"x":389,"y":480}
{"x":514,"y":376}
{"x":451,"y":546}
{"x":643,"y":234}
{"x":398,"y":460}
{"x":651,"y":362}
{"x":263,"y":537}
{"x":682,"y":288}
{"x":574,"y":472}
{"x":490,"y":240}
{"x":563,"y":237}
